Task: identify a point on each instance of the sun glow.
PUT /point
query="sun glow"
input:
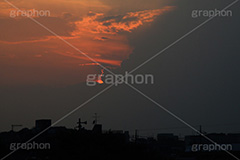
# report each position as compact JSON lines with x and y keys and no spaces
{"x":99,"y":79}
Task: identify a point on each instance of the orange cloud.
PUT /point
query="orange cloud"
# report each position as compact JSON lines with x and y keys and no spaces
{"x":89,"y":64}
{"x":97,"y":35}
{"x":106,"y":62}
{"x":100,"y":36}
{"x":98,"y":23}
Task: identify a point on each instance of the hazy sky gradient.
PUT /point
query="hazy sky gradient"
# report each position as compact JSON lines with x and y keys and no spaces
{"x":197,"y":79}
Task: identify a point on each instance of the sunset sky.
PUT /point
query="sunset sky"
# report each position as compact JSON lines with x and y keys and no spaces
{"x":197,"y":78}
{"x":99,"y":28}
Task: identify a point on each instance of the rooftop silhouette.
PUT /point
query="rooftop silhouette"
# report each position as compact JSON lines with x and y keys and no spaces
{"x":80,"y":143}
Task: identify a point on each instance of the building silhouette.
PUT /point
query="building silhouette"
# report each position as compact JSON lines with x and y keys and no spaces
{"x":80,"y":143}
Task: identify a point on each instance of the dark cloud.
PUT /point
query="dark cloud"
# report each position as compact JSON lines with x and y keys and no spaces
{"x":91,"y":14}
{"x":104,"y":37}
{"x":116,"y":18}
{"x":197,"y":78}
{"x":107,"y":24}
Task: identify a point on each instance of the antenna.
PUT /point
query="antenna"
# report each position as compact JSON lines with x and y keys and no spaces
{"x":95,"y":121}
{"x":80,"y":123}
